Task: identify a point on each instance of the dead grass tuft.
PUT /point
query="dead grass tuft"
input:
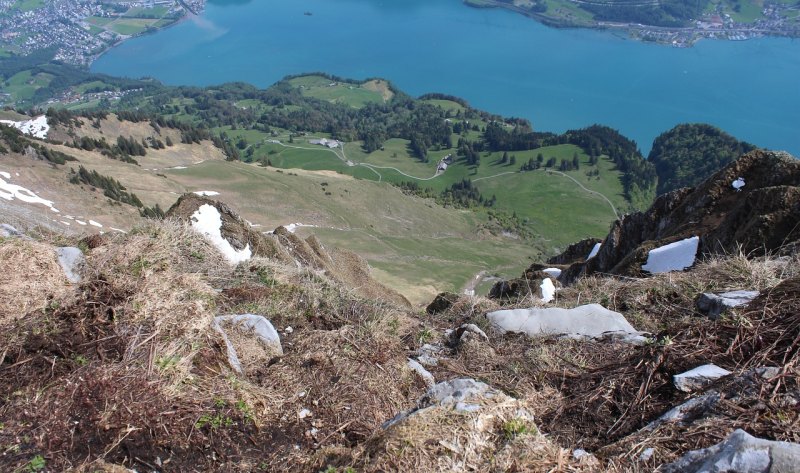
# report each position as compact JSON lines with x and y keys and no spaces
{"x":32,"y":278}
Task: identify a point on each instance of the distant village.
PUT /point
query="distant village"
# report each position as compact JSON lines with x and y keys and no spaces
{"x":80,"y":30}
{"x":775,"y":21}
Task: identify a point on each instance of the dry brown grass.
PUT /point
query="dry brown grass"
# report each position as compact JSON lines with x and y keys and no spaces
{"x":32,"y":278}
{"x":500,"y":436}
{"x":133,"y":359}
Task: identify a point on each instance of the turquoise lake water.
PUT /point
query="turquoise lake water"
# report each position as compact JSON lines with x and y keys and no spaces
{"x":497,"y":60}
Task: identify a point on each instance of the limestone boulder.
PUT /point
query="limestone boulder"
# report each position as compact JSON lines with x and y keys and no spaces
{"x":586,"y":321}
{"x":740,"y":453}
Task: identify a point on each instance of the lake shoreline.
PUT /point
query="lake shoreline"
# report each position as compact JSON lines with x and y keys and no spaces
{"x":681,"y":37}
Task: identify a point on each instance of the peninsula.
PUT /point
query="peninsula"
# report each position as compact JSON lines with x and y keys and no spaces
{"x":679,"y":23}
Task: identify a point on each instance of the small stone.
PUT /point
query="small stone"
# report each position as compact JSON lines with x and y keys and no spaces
{"x":579,"y":453}
{"x":713,"y":305}
{"x":288,"y":329}
{"x":304,"y":413}
{"x":647,"y":454}
{"x":72,"y":262}
{"x":698,"y":378}
{"x":8,"y":231}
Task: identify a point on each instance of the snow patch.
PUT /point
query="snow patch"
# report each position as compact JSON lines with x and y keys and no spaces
{"x":206,"y":193}
{"x":95,"y":224}
{"x":594,"y":251}
{"x":738,"y":184}
{"x":292,"y":227}
{"x":676,"y":256}
{"x":36,"y":127}
{"x":5,"y":175}
{"x":179,"y":167}
{"x":10,"y":192}
{"x":548,"y":290}
{"x":555,"y":272}
{"x":118,"y":230}
{"x":208,"y":221}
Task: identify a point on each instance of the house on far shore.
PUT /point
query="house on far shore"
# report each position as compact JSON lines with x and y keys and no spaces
{"x":325,"y":142}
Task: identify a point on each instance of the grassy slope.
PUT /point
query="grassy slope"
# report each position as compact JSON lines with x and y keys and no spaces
{"x":542,"y":197}
{"x":415,"y":246}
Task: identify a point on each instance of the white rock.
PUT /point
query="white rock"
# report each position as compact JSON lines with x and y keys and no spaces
{"x":738,"y":184}
{"x":675,"y":256}
{"x":740,"y":453}
{"x":463,"y":332}
{"x":715,"y":304}
{"x":426,"y":376}
{"x":591,"y":320}
{"x":699,"y":377}
{"x":8,"y":231}
{"x":72,"y":262}
{"x":461,"y":393}
{"x":579,"y":453}
{"x":261,"y":328}
{"x":428,"y":355}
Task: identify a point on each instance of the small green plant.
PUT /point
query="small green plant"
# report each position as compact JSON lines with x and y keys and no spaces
{"x":83,"y":246}
{"x":197,"y":255}
{"x":37,"y":463}
{"x":81,"y":360}
{"x":165,"y":363}
{"x":394,"y":324}
{"x":246,"y":411}
{"x":265,"y":277}
{"x":425,"y":335}
{"x":213,"y":421}
{"x":138,"y":266}
{"x":517,"y":427}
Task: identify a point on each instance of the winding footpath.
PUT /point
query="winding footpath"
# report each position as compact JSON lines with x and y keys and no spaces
{"x":373,"y":168}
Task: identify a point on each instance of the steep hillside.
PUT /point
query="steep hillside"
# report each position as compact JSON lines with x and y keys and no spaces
{"x":412,"y":243}
{"x":197,"y":343}
{"x":688,"y":154}
{"x":752,"y":206}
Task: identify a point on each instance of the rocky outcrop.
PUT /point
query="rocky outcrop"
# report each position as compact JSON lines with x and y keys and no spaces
{"x":576,"y":252}
{"x":529,"y":284}
{"x":442,"y":302}
{"x":238,"y":241}
{"x":760,"y":216}
{"x":740,"y":453}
